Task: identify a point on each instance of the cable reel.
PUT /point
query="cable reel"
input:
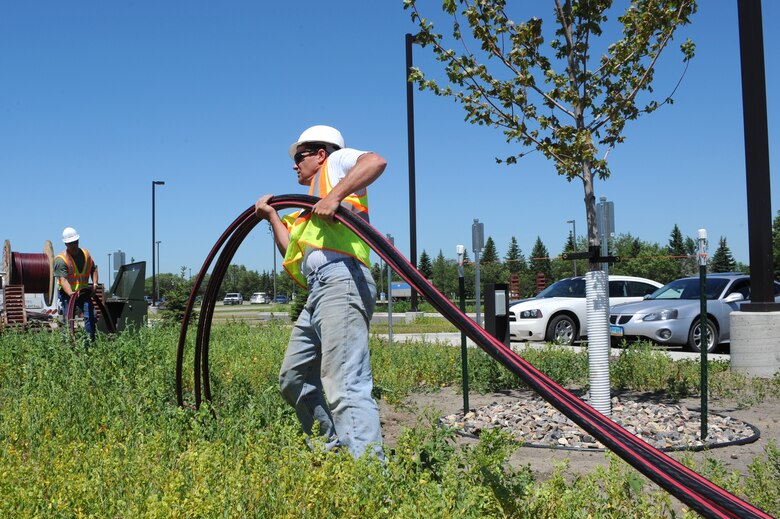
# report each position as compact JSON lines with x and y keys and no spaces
{"x":34,"y":272}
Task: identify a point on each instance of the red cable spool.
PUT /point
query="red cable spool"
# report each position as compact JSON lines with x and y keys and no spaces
{"x":35,"y":272}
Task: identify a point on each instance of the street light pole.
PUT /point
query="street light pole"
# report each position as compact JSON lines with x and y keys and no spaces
{"x":155,"y":183}
{"x":157,"y":294}
{"x":410,"y":143}
{"x":574,"y":241}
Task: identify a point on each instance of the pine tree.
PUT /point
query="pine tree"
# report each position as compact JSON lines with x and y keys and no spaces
{"x":376,"y":273}
{"x":440,"y":274}
{"x":515,"y":260}
{"x":722,"y":260}
{"x":690,"y":246}
{"x":679,"y":246}
{"x":489,"y":253}
{"x":676,"y":246}
{"x":540,"y":261}
{"x":491,"y":268}
{"x":570,"y":245}
{"x":424,"y":265}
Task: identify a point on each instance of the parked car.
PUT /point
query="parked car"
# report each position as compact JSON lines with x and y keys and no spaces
{"x":671,"y":314}
{"x":233,"y":298}
{"x":281,"y":299}
{"x":558,"y":313}
{"x":258,"y":298}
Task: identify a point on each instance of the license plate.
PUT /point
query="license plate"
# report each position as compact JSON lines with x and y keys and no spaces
{"x":615,"y":331}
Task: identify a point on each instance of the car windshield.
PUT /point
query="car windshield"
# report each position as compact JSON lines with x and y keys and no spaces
{"x":689,"y":289}
{"x":574,"y":287}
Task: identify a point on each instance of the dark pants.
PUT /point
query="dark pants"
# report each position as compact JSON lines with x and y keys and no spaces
{"x":85,"y":305}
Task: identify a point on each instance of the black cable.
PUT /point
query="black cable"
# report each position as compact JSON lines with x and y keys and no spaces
{"x":691,"y":488}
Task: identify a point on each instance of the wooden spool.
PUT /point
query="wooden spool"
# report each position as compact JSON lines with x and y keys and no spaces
{"x":8,"y":266}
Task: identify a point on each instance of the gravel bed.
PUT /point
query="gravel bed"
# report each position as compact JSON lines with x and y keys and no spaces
{"x":536,"y":423}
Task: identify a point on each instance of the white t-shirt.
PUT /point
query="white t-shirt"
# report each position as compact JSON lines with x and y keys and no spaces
{"x":339,"y":164}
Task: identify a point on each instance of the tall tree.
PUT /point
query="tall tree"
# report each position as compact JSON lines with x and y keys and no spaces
{"x":676,"y":244}
{"x":569,"y":245}
{"x":540,"y":261}
{"x":722,"y":260}
{"x":571,"y":104}
{"x":489,"y":253}
{"x":378,"y":276}
{"x":643,"y":259}
{"x":515,"y":261}
{"x":679,"y":246}
{"x":444,"y":275}
{"x":424,"y":265}
{"x":491,"y":268}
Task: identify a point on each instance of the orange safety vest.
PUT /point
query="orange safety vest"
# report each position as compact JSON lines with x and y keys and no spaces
{"x":77,"y":278}
{"x":309,"y":230}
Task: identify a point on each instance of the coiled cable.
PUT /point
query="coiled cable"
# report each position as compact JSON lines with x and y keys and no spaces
{"x":689,"y":487}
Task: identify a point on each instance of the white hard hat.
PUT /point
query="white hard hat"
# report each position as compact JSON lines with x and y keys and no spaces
{"x":69,"y":235}
{"x":319,"y":133}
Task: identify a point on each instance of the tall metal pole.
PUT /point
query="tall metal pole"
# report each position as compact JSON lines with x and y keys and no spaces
{"x":155,"y":183}
{"x":573,"y":241}
{"x":477,"y":244}
{"x":157,"y":295}
{"x":703,"y":328}
{"x":410,"y":144}
{"x":464,"y":361}
{"x":109,"y":271}
{"x":754,"y":113}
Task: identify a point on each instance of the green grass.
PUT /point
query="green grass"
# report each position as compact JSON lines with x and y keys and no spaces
{"x":419,"y":325}
{"x":97,"y":433}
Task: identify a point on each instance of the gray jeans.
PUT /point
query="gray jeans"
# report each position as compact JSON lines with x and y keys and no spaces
{"x":328,"y":351}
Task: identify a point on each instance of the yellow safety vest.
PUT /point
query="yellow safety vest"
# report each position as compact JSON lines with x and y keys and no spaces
{"x":77,"y":279}
{"x":309,"y":230}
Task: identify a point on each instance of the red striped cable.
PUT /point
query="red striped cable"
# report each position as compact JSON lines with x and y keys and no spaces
{"x":685,"y":484}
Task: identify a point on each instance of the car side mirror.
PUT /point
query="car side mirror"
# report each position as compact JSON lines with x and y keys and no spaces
{"x":646,"y":296}
{"x":734,"y":297}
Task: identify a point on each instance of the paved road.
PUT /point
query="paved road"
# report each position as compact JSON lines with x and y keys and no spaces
{"x":454,"y":339}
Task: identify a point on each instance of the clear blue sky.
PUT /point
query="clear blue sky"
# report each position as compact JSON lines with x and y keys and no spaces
{"x":97,"y":99}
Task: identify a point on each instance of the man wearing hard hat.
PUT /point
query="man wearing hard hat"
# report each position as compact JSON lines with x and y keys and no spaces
{"x":328,"y":349}
{"x":73,"y":269}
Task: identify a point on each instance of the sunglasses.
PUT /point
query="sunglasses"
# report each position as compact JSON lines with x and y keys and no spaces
{"x":298,"y":157}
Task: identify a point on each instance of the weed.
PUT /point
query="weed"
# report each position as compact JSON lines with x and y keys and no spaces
{"x":98,"y":433}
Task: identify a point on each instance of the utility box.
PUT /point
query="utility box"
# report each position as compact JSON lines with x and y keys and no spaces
{"x":125,"y":301}
{"x":497,"y":311}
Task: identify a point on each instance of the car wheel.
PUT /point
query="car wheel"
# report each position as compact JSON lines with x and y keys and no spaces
{"x":694,"y":336}
{"x":562,"y":330}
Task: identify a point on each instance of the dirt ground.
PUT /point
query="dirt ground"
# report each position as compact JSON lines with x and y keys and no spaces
{"x":765,"y":416}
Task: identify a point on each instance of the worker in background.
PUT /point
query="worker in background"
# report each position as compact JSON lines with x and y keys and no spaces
{"x":73,"y":269}
{"x":328,"y":349}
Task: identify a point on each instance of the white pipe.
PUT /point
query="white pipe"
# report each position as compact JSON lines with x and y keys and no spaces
{"x":597,"y":304}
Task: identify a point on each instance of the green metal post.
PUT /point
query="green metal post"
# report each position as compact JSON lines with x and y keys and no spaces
{"x":705,"y":340}
{"x":703,"y":329}
{"x":464,"y":360}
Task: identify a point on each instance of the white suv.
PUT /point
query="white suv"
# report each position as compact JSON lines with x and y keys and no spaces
{"x":233,"y":298}
{"x":558,"y":313}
